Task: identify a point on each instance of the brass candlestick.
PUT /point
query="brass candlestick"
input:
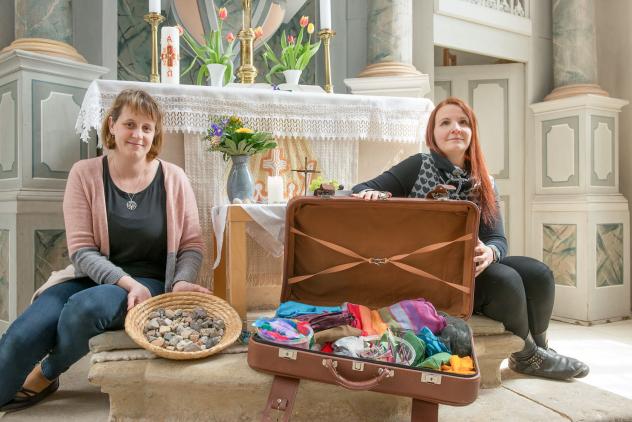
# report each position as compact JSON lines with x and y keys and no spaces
{"x":247,"y":72}
{"x":154,"y":19}
{"x":326,"y":35}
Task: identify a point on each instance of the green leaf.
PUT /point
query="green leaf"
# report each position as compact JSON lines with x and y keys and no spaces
{"x":193,"y":62}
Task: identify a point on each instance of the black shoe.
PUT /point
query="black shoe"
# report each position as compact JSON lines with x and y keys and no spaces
{"x":30,"y":398}
{"x":547,"y":364}
{"x":542,"y":341}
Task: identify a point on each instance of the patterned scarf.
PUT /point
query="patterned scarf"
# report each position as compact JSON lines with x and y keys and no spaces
{"x":437,"y":170}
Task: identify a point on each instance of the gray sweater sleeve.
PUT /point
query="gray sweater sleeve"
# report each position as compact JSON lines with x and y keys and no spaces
{"x":90,"y":262}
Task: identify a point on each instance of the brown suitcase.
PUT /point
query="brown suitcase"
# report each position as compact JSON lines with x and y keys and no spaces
{"x":374,"y":253}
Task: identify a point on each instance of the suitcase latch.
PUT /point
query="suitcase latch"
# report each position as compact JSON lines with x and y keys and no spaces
{"x":357,"y":366}
{"x":287,"y":354}
{"x":378,"y":261}
{"x":430,"y":378}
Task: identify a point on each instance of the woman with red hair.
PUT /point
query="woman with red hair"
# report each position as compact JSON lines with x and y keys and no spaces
{"x":515,"y":290}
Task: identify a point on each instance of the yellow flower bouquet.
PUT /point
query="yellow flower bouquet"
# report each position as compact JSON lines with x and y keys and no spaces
{"x":229,"y":136}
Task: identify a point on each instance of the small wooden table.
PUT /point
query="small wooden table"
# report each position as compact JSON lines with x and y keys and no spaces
{"x":229,"y":278}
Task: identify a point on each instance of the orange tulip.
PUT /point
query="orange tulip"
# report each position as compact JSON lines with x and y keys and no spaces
{"x":258,"y":32}
{"x":222,"y":13}
{"x":304,"y":21}
{"x":230,"y":37}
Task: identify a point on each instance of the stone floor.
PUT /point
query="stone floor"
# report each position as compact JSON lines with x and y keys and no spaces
{"x":605,"y":395}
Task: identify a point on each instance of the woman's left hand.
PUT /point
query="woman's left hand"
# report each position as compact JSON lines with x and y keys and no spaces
{"x":483,"y":256}
{"x":185,"y":286}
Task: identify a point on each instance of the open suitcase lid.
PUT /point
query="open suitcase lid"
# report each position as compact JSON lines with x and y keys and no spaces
{"x":377,"y":253}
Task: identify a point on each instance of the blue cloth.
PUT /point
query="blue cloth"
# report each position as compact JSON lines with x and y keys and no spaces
{"x":292,"y":309}
{"x":433,"y":344}
{"x":59,"y":324}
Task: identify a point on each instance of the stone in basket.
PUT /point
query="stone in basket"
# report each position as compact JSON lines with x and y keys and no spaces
{"x":215,"y":307}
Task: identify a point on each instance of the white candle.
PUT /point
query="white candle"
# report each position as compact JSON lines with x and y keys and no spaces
{"x":169,"y":55}
{"x":325,"y":14}
{"x":275,"y":189}
{"x":154,"y":6}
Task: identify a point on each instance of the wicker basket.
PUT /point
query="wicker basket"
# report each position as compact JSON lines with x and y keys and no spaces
{"x":187,"y":301}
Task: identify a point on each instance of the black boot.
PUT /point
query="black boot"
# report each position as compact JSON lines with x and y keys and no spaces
{"x":537,"y":361}
{"x":541,"y":341}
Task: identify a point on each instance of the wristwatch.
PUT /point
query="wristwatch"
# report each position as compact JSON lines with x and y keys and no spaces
{"x":495,"y":253}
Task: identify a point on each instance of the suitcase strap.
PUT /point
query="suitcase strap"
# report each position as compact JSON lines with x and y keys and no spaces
{"x":281,"y":398}
{"x":394,"y":260}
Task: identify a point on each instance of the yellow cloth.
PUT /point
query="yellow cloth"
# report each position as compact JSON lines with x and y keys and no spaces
{"x":460,"y":365}
{"x":378,"y":324}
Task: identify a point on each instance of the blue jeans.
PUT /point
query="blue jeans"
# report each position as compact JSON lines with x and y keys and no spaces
{"x":57,"y":327}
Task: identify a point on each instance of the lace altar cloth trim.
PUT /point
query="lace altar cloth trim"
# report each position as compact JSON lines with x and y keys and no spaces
{"x":312,"y":116}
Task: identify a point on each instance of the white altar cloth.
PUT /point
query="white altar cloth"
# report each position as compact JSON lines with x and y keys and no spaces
{"x":312,"y":116}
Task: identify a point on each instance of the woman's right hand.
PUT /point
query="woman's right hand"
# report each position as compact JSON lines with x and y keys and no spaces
{"x":136,"y":292}
{"x":372,"y":195}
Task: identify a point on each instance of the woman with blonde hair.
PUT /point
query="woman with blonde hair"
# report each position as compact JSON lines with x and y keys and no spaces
{"x":133,"y":232}
{"x":515,"y":290}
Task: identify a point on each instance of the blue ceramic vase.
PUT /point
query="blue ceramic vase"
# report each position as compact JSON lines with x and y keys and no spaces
{"x":240,"y":183}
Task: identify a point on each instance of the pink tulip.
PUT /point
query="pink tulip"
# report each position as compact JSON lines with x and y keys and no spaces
{"x":258,"y":32}
{"x":230,"y":37}
{"x":222,"y":13}
{"x":304,"y":21}
{"x":180,"y":30}
{"x":290,"y":39}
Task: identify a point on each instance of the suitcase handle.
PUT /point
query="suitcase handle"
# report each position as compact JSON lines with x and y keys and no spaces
{"x":383,"y":373}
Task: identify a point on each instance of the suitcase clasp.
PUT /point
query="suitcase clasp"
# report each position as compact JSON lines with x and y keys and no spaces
{"x":287,"y":354}
{"x":357,"y":366}
{"x":430,"y":378}
{"x":378,"y":261}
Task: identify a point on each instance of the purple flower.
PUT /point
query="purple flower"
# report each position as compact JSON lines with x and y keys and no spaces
{"x":216,"y":130}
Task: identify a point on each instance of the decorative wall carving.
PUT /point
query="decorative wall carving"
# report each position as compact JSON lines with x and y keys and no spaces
{"x":9,"y":134}
{"x":559,"y":252}
{"x":602,"y":134}
{"x":560,"y":150}
{"x":51,"y":254}
{"x":56,"y":107}
{"x":490,"y":99}
{"x":609,"y":254}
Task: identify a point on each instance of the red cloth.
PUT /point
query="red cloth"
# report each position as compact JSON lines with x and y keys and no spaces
{"x":327,"y":348}
{"x":355,"y":311}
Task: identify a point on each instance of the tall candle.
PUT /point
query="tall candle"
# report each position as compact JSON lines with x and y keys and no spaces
{"x":170,"y":55}
{"x":154,"y":6}
{"x":275,"y":189}
{"x":325,"y":14}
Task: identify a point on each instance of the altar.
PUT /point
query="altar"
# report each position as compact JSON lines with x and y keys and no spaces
{"x":349,"y":138}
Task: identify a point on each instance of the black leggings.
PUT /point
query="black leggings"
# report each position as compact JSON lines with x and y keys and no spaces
{"x":519,"y":292}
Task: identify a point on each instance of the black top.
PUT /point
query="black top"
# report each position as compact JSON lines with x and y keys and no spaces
{"x":420,"y":173}
{"x":138,"y":238}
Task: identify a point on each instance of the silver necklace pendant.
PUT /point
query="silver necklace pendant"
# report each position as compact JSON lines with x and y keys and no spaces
{"x":131,"y":205}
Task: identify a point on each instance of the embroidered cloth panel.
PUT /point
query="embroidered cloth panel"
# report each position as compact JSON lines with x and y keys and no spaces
{"x":311,"y":116}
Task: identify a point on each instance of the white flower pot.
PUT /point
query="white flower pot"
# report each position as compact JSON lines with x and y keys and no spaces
{"x":216,"y":73}
{"x":292,"y":76}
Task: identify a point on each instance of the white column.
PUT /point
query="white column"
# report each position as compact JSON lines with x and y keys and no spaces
{"x":40,"y":98}
{"x":580,"y":221}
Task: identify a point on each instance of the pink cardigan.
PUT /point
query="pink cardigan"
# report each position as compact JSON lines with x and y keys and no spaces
{"x":86,"y":223}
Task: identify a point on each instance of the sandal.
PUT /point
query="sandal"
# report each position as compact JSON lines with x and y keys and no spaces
{"x":30,"y":397}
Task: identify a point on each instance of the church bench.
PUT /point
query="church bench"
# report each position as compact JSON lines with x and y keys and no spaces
{"x":224,"y":388}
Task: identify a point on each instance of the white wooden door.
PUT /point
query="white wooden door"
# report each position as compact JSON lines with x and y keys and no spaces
{"x":496,"y":93}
